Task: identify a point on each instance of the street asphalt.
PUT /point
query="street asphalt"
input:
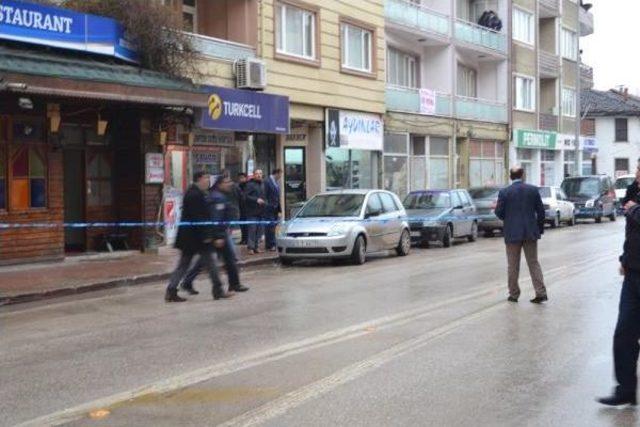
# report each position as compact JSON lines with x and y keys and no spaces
{"x":424,"y":340}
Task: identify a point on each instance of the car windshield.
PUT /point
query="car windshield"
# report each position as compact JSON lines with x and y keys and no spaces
{"x":545,"y":192}
{"x":427,"y":200}
{"x":584,"y":187}
{"x":623,"y":183}
{"x":333,"y":205}
{"x":483,"y":193}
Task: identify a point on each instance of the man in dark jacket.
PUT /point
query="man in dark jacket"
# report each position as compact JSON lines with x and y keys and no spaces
{"x":634,"y":189}
{"x":255,"y":205}
{"x":241,"y":186}
{"x":273,"y":209}
{"x":627,"y":334}
{"x":196,"y":237}
{"x":520,"y":208}
{"x":221,"y":210}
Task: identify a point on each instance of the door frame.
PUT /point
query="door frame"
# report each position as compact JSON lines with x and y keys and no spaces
{"x":83,"y":188}
{"x":284,"y":172}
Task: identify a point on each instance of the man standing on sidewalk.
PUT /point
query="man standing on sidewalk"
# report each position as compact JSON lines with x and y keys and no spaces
{"x":520,"y":207}
{"x":627,"y":334}
{"x":196,"y":237}
{"x":255,"y":205}
{"x":241,"y":187}
{"x":272,"y":209}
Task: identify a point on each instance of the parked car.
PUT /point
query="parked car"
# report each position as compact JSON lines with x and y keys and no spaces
{"x":441,"y":216}
{"x":486,"y":200}
{"x":557,"y":207}
{"x":593,"y":196}
{"x":346,"y":224}
{"x":621,"y":185}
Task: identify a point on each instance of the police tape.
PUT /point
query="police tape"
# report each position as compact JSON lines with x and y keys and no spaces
{"x":411,"y":220}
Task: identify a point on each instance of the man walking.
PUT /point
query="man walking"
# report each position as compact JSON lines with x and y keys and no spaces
{"x":255,"y":208}
{"x":627,"y":333}
{"x":272,"y":208}
{"x":196,"y":237}
{"x":520,"y":208}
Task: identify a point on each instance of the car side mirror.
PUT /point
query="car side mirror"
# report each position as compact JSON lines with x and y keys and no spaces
{"x":372,"y":214}
{"x":457,"y":208}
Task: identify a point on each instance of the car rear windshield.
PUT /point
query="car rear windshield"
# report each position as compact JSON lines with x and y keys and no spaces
{"x":582,"y":187}
{"x":623,"y":183}
{"x":545,"y":192}
{"x":483,"y":193}
{"x":427,"y":200}
{"x":333,"y":205}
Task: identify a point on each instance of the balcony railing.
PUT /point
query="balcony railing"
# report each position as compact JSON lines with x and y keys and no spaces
{"x":483,"y":110}
{"x":417,"y":17}
{"x":549,"y":64}
{"x":220,"y":49}
{"x":471,"y":33}
{"x":549,"y":122}
{"x":549,"y":8}
{"x":406,"y":99}
{"x":586,"y":22}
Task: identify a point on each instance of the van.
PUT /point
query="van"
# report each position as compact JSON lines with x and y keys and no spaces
{"x":593,"y":196}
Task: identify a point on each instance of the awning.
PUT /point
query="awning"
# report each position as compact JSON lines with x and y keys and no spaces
{"x":35,"y":72}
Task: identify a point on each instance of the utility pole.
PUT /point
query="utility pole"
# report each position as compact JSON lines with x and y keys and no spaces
{"x":578,"y":159}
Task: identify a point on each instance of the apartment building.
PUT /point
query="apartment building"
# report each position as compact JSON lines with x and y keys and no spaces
{"x":447,"y":94}
{"x":546,"y":78}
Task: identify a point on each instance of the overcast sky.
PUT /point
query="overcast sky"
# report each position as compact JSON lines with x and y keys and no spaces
{"x":617,"y":28}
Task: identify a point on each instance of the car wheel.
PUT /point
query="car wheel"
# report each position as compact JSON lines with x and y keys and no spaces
{"x":613,"y":215}
{"x":446,"y":239}
{"x":286,"y":261}
{"x":474,"y":232}
{"x":556,"y":221}
{"x":572,"y":221}
{"x":404,"y":246}
{"x":359,"y":254}
{"x":598,"y":220}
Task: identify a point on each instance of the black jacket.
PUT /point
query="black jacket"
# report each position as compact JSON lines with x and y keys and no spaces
{"x":630,"y":258}
{"x":255,"y":190}
{"x":195,"y":209}
{"x":520,"y":207}
{"x":220,"y":213}
{"x":234,"y":203}
{"x":632,"y":193}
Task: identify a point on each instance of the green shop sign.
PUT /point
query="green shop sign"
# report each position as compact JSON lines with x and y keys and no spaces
{"x":535,"y":139}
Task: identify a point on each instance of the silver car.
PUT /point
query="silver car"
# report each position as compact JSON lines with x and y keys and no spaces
{"x":346,"y":224}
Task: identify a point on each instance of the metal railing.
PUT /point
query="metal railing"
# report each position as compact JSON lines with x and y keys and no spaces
{"x":549,"y":8}
{"x":586,"y":22}
{"x":549,"y":122}
{"x":483,"y":110}
{"x":549,"y":64}
{"x":417,"y":17}
{"x":478,"y":35}
{"x":221,"y":49}
{"x":406,"y":99}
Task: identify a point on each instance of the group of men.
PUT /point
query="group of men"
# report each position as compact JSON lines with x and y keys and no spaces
{"x":209,"y":214}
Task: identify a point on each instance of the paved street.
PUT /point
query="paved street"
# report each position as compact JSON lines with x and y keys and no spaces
{"x":424,"y":340}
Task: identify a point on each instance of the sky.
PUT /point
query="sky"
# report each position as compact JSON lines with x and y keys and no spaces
{"x":617,"y":27}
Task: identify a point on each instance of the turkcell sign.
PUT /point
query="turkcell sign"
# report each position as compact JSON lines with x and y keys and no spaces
{"x":245,"y":111}
{"x":63,"y":28}
{"x":535,"y":139}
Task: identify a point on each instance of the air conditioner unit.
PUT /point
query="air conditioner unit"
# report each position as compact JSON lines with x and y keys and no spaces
{"x":251,"y":74}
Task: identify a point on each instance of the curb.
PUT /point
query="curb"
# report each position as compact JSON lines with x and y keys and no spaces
{"x":108,"y":284}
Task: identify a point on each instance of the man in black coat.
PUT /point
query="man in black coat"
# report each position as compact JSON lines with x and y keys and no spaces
{"x":241,"y":186}
{"x":627,"y":334}
{"x":273,"y":210}
{"x":634,"y":189}
{"x":196,"y":236}
{"x":255,"y":199}
{"x":520,"y":208}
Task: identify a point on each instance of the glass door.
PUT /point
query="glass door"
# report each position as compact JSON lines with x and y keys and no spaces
{"x":295,"y":178}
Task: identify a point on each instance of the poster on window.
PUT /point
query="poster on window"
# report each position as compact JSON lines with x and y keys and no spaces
{"x":172,"y":210}
{"x":154,"y":168}
{"x":427,"y":101}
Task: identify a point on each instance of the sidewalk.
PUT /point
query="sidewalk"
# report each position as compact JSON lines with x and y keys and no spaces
{"x":31,"y":282}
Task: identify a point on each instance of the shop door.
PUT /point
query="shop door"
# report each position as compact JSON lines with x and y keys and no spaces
{"x":264,"y":147}
{"x":74,"y":190}
{"x":295,"y":178}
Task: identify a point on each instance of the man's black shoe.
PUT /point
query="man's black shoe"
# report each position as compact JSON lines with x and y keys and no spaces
{"x":616,"y":400}
{"x":539,"y":300}
{"x":239,"y":288}
{"x":512,"y":299}
{"x":173,"y":297}
{"x":222,"y":295}
{"x":190,"y":290}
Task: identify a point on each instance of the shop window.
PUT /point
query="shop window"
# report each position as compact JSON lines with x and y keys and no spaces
{"x":486,"y":163}
{"x":99,"y":191}
{"x":438,"y":163}
{"x":28,"y":186}
{"x":587,"y":164}
{"x":569,"y":163}
{"x":548,"y":168}
{"x":351,"y":168}
{"x":418,"y":163}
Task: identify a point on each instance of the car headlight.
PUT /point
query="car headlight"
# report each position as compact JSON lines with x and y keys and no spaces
{"x":338,"y":230}
{"x":430,"y":223}
{"x":590,"y":203}
{"x":282,"y":232}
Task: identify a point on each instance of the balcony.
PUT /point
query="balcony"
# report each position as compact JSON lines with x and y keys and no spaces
{"x":407,"y":100}
{"x":220,"y":49}
{"x":549,"y":122}
{"x":479,"y":36}
{"x":586,"y":77}
{"x":482,"y":110}
{"x":586,"y":22}
{"x":549,"y":8}
{"x":417,"y":17}
{"x":549,"y":65}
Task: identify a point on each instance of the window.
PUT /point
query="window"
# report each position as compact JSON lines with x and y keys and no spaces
{"x":99,"y":191}
{"x":351,"y":168}
{"x":418,"y":162}
{"x":622,"y":126}
{"x":570,"y":163}
{"x":486,"y":163}
{"x":525,"y":98}
{"x":568,"y":102}
{"x":28,"y":186}
{"x":396,"y":164}
{"x":523,"y":26}
{"x":438,"y":162}
{"x":587,"y":164}
{"x":455,"y":199}
{"x":569,"y":44}
{"x":189,"y":16}
{"x":467,"y":81}
{"x":548,"y":167}
{"x":525,"y":158}
{"x":402,"y":68}
{"x":621,"y":167}
{"x":357,"y":48}
{"x":374,"y":204}
{"x":296,"y":34}
{"x":466,"y":200}
{"x":388,"y":203}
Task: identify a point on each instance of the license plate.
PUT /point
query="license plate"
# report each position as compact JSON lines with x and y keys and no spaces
{"x":303,"y":244}
{"x":416,"y":234}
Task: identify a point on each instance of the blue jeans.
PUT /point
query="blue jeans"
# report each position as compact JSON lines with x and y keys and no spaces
{"x":228,"y":254}
{"x":626,"y":336}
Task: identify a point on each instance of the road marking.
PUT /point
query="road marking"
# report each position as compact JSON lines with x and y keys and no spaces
{"x":291,"y":349}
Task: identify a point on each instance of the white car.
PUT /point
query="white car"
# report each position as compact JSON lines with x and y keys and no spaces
{"x":557,"y":206}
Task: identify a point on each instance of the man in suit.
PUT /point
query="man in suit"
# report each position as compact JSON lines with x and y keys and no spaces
{"x":255,"y":201}
{"x":520,"y":208}
{"x":272,"y":208}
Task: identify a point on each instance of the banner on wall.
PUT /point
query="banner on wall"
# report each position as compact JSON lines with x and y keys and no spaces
{"x":427,"y":101}
{"x":353,"y":130}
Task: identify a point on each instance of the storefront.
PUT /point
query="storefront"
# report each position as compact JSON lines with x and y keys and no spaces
{"x":354,"y":144}
{"x":540,"y":154}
